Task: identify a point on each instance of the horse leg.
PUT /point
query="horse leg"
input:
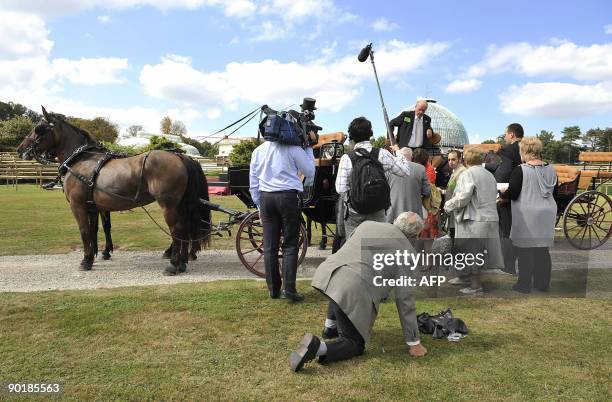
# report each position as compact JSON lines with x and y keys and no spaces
{"x":83,"y":218}
{"x":183,"y":256}
{"x":195,"y":247}
{"x":106,"y":224}
{"x":323,"y":244}
{"x":168,"y":253}
{"x":309,"y":229}
{"x":171,"y":216}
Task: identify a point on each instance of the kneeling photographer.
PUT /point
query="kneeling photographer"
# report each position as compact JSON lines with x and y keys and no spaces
{"x":276,"y":189}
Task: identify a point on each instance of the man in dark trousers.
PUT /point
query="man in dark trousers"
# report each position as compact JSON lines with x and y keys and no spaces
{"x":510,"y":158}
{"x":355,"y":286}
{"x":275,"y":187}
{"x":414,"y":128}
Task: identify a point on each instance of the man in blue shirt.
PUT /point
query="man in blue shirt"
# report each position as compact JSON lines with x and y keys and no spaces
{"x":275,"y":188}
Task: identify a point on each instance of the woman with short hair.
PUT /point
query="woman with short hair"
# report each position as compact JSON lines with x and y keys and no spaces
{"x":476,"y":220}
{"x":531,"y":189}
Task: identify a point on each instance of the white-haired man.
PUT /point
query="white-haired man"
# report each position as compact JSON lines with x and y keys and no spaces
{"x":355,"y":285}
{"x":414,"y":127}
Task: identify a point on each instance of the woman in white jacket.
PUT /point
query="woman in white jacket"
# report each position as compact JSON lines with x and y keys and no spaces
{"x":476,"y":220}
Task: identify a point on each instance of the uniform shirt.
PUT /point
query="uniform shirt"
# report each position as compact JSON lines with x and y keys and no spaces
{"x":275,"y":167}
{"x":398,"y":165}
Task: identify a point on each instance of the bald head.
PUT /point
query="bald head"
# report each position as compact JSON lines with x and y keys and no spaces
{"x":409,"y":223}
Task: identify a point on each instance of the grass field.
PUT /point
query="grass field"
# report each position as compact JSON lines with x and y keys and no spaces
{"x":225,"y":340}
{"x":35,"y":221}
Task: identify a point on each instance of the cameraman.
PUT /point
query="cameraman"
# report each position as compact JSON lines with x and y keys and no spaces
{"x":275,"y":187}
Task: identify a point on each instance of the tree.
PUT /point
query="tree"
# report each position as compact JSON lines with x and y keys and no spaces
{"x":100,"y":128}
{"x":165,"y":125}
{"x":13,"y":131}
{"x":598,"y":140}
{"x":10,"y":110}
{"x":177,"y":127}
{"x":133,"y":130}
{"x":489,"y":142}
{"x":209,"y":150}
{"x":241,"y":153}
{"x":378,"y":142}
{"x":162,"y":143}
{"x":570,"y":136}
{"x":548,"y":145}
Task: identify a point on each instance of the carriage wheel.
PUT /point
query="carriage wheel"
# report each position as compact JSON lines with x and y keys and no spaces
{"x":249,"y":244}
{"x":587,"y":220}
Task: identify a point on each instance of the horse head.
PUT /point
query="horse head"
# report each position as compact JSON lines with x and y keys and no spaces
{"x":52,"y":137}
{"x":41,"y":141}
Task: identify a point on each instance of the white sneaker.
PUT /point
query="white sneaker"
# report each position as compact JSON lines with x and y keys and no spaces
{"x":471,"y":292}
{"x":458,"y":281}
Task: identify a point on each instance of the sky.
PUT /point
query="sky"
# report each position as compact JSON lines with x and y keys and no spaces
{"x":544,"y":64}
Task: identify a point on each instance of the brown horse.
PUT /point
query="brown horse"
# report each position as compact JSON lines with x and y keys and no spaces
{"x":175,"y":181}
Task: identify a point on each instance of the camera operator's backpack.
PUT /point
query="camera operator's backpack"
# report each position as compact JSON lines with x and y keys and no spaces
{"x":282,"y":127}
{"x":369,"y":189}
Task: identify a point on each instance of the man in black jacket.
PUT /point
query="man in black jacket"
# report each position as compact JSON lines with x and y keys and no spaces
{"x":414,"y":127}
{"x":510,"y":158}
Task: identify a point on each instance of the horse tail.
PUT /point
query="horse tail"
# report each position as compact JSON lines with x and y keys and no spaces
{"x":196,"y":216}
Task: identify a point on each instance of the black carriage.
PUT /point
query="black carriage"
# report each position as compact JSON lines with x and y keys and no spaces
{"x":319,"y":204}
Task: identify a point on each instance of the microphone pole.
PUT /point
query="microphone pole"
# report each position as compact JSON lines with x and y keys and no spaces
{"x":363,"y":56}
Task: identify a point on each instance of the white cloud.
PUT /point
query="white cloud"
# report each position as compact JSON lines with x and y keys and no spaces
{"x":557,"y":99}
{"x":384,"y":25}
{"x":334,"y":83}
{"x":23,"y":35}
{"x":463,"y":86}
{"x":213,"y":113}
{"x":564,"y":59}
{"x":103,"y":19}
{"x":98,"y":71}
{"x":240,"y":8}
{"x":608,"y":29}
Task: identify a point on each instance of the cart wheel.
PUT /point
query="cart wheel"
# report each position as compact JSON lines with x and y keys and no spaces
{"x":249,"y":244}
{"x":587,"y":220}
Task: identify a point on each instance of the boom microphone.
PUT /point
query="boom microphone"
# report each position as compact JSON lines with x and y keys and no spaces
{"x":365,"y":52}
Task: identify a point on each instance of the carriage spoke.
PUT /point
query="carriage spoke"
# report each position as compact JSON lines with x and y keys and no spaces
{"x":257,"y":260}
{"x":250,"y":251}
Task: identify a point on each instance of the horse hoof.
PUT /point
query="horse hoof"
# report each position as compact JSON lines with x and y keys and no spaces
{"x":166,"y":256}
{"x":85,"y":266}
{"x":182,"y":267}
{"x":106,"y":255}
{"x":322,"y":246}
{"x":170,"y":270}
{"x":193,"y":257}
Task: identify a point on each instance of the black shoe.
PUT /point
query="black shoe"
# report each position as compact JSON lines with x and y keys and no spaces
{"x":274,"y":295}
{"x":306,"y":351}
{"x":329,"y":333}
{"x":519,"y":289}
{"x":293,"y":296}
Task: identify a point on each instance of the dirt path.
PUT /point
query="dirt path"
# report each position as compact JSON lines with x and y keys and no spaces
{"x":29,"y":273}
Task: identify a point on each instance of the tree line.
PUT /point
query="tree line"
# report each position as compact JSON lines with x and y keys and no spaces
{"x":17,"y":121}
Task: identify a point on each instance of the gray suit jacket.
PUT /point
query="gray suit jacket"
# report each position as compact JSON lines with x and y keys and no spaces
{"x":406,"y":192}
{"x":347,"y":278}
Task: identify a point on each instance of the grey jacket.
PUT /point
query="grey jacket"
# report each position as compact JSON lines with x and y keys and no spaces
{"x":407,"y":192}
{"x":474,"y":197}
{"x":347,"y":278}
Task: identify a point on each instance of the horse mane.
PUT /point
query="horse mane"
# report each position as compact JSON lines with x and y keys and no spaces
{"x":79,"y":130}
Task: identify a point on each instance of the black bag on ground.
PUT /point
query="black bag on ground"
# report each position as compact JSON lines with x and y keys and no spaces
{"x":441,"y":325}
{"x":369,"y":189}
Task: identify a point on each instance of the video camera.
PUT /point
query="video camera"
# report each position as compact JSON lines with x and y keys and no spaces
{"x":291,"y":127}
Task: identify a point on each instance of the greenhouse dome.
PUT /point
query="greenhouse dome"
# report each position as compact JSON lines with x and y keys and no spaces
{"x":447,"y":124}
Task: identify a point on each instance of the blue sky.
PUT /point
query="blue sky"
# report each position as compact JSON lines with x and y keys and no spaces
{"x":545,"y":64}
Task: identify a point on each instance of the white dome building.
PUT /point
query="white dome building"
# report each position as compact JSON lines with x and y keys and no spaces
{"x":447,"y":124}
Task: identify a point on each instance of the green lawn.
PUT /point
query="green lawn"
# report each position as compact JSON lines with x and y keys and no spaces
{"x":226,"y":340}
{"x":35,"y":221}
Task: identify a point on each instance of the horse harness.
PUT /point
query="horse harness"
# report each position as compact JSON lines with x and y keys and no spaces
{"x":90,"y":182}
